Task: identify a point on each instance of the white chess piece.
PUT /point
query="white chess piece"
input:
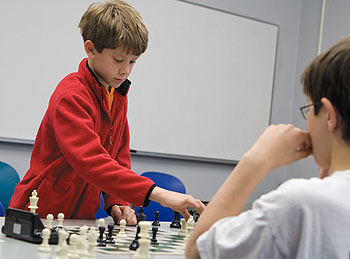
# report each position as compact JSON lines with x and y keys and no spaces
{"x":183,"y":231}
{"x":101,"y":222}
{"x":83,"y":230}
{"x":49,"y":220}
{"x":33,"y":201}
{"x":143,"y":251}
{"x":60,"y":218}
{"x":92,"y":237}
{"x":74,"y":241}
{"x":190,"y":227}
{"x":45,"y":247}
{"x":83,"y":242}
{"x":122,"y":233}
{"x":62,"y":247}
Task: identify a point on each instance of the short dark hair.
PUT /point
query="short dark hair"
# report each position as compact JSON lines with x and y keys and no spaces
{"x":328,"y":75}
{"x":113,"y":24}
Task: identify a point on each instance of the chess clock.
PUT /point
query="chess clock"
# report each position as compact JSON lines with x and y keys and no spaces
{"x":25,"y":225}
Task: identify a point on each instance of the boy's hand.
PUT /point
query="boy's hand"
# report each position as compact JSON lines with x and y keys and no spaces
{"x":123,"y":212}
{"x":281,"y":145}
{"x":176,"y":201}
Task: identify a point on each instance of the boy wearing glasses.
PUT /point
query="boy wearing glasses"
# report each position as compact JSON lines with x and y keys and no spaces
{"x":302,"y":218}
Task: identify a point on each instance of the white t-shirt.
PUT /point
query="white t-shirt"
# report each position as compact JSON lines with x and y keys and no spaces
{"x":301,"y":219}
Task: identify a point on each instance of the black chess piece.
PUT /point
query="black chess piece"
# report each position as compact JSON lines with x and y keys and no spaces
{"x":154,"y":236}
{"x":140,"y":216}
{"x":176,"y":222}
{"x":135,"y":243}
{"x":54,"y":232}
{"x":100,"y":240}
{"x":109,"y":239}
{"x":196,"y":216}
{"x":194,"y":213}
{"x":156,"y":219}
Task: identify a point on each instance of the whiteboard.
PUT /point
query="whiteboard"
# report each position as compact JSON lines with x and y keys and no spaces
{"x":202,"y":89}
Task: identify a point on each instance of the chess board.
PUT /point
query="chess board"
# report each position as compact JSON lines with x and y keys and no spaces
{"x":168,"y":239}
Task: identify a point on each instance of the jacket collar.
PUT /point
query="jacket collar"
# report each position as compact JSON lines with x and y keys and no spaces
{"x":96,"y":85}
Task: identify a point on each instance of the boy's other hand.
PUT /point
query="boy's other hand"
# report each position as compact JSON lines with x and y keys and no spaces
{"x":176,"y":201}
{"x":123,"y":212}
{"x":280,"y":145}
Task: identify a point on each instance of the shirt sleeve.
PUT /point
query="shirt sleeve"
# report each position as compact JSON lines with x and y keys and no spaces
{"x":243,"y":236}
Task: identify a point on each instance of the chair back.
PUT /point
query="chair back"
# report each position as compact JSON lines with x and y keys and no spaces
{"x":168,"y":182}
{"x":8,"y":181}
{"x":2,"y":212}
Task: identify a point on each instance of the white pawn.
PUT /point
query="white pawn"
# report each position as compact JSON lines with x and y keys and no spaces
{"x":60,"y":218}
{"x":33,"y":201}
{"x":122,"y":233}
{"x":183,"y":231}
{"x":44,"y":247}
{"x":92,"y":237}
{"x":144,"y":242}
{"x":74,"y":242}
{"x":62,"y":247}
{"x":101,"y":222}
{"x":49,"y":220}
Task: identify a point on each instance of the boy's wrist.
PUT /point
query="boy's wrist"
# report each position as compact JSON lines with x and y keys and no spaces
{"x":157,"y":195}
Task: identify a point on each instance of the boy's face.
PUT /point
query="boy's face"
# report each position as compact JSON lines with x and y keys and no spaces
{"x":112,"y":66}
{"x":320,"y":137}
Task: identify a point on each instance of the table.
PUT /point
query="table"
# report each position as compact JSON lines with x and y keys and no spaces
{"x":13,"y":248}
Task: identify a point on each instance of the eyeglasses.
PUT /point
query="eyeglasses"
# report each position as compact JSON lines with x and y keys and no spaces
{"x":306,"y":109}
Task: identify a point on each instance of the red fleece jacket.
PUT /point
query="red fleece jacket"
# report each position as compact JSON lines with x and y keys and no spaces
{"x":81,"y":149}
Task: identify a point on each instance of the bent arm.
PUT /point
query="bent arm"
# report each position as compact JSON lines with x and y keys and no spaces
{"x":229,"y":199}
{"x":278,"y":145}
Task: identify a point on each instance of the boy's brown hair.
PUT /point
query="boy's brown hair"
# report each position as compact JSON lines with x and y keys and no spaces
{"x":328,"y":75}
{"x":114,"y":24}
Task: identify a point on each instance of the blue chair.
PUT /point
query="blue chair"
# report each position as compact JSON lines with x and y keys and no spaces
{"x":168,"y":182}
{"x":2,"y":212}
{"x":8,"y":181}
{"x":101,"y":213}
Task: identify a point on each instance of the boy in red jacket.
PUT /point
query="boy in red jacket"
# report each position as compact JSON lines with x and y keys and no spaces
{"x":82,"y":146}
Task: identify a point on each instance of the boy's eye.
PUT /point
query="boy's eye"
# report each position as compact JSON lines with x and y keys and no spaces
{"x":118,"y":60}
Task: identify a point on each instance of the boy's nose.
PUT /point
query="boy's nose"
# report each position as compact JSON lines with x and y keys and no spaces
{"x":125,"y":70}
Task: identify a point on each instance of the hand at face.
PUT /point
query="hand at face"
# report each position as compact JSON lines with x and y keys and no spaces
{"x":281,"y":145}
{"x":123,"y":212}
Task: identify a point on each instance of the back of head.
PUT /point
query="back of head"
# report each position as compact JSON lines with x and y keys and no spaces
{"x":328,"y":75}
{"x":114,"y":24}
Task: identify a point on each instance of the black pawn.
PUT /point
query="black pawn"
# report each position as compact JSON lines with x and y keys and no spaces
{"x":135,"y":243}
{"x":176,"y":222}
{"x":100,"y":240}
{"x":154,"y":236}
{"x":140,"y":216}
{"x":109,"y":239}
{"x":156,"y":217}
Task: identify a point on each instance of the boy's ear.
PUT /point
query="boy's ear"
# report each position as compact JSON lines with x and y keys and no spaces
{"x":333,"y":118}
{"x":90,"y":48}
